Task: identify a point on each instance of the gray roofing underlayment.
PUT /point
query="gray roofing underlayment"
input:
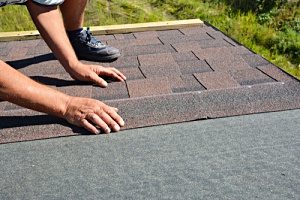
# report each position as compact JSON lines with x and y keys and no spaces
{"x":183,"y":75}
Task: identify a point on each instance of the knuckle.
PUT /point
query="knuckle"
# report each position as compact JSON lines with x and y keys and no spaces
{"x":89,"y":76}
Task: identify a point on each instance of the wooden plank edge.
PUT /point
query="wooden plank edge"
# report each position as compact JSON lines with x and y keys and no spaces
{"x":150,"y":26}
{"x":21,"y":35}
{"x":111,"y":29}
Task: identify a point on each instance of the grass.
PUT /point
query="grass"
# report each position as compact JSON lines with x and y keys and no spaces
{"x":270,"y":28}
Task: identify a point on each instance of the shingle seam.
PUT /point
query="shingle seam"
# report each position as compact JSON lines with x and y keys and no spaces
{"x":210,"y":36}
{"x":212,"y":69}
{"x":228,"y":42}
{"x":267,"y":74}
{"x":197,"y":56}
{"x":161,"y":41}
{"x":199,"y":82}
{"x":174,"y":48}
{"x":127,"y":89}
{"x":181,"y":32}
{"x":139,"y":62}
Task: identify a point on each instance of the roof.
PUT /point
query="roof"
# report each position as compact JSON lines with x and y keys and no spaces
{"x":242,"y":157}
{"x":178,"y":75}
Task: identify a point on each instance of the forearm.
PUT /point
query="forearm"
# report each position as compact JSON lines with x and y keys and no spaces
{"x":21,"y":90}
{"x":49,"y":22}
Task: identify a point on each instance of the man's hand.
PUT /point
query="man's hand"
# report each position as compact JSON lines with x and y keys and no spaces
{"x":92,"y":73}
{"x":93,"y":115}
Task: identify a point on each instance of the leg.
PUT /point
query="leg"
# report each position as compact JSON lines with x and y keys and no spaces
{"x":73,"y":13}
{"x":85,"y":45}
{"x":50,"y":24}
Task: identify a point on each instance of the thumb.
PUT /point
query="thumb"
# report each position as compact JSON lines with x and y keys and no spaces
{"x":99,"y":81}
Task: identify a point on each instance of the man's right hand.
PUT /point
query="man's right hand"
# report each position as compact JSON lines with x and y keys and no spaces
{"x":93,"y":115}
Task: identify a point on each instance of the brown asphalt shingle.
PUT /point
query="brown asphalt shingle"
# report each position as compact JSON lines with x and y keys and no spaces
{"x":172,"y":76}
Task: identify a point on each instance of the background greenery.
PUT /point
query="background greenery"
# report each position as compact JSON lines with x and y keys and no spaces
{"x":270,"y":28}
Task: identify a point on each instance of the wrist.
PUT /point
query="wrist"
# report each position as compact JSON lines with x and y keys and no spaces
{"x":72,"y":64}
{"x":65,"y":101}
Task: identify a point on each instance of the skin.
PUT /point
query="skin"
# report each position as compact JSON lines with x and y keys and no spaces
{"x":93,"y":115}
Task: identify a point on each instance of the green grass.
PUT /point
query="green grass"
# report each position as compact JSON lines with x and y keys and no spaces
{"x":270,"y":28}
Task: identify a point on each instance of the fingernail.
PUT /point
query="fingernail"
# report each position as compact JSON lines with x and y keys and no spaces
{"x":107,"y":130}
{"x":116,"y":127}
{"x":122,"y":123}
{"x":98,"y":132}
{"x":105,"y":84}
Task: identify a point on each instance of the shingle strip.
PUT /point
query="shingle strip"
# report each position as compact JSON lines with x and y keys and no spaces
{"x":149,"y":111}
{"x":255,"y":60}
{"x":185,"y":83}
{"x":216,"y":80}
{"x":148,"y":49}
{"x":39,"y":50}
{"x":77,"y":90}
{"x":172,"y":33}
{"x":149,"y":87}
{"x":191,"y":67}
{"x":275,"y":73}
{"x":256,"y":99}
{"x":116,"y":90}
{"x":250,"y":77}
{"x":156,"y":59}
{"x":229,"y":64}
{"x":184,"y":38}
{"x":196,"y":30}
{"x":122,"y":62}
{"x":49,"y":67}
{"x":23,"y":44}
{"x":184,"y":56}
{"x":121,"y":44}
{"x":22,"y":125}
{"x":124,"y":36}
{"x":132,"y":73}
{"x":146,"y":35}
{"x":200,"y":45}
{"x":105,"y":38}
{"x":160,"y":70}
{"x":218,"y":53}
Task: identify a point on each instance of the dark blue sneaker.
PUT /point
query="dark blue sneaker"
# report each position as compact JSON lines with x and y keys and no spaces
{"x":87,"y":47}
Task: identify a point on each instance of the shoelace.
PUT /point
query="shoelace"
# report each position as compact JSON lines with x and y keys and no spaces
{"x":91,"y":39}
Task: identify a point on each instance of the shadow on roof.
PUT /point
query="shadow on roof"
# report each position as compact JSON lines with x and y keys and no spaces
{"x":37,"y":120}
{"x":22,"y":63}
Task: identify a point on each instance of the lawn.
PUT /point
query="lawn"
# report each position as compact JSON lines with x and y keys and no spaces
{"x":270,"y":28}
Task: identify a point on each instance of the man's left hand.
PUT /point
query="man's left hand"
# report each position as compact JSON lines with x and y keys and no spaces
{"x":93,"y":73}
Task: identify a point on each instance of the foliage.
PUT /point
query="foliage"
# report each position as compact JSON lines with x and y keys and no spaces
{"x":15,"y":18}
{"x":268,"y":27}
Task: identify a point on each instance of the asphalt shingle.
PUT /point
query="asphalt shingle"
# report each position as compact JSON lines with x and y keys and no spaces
{"x":172,"y":76}
{"x":149,"y":87}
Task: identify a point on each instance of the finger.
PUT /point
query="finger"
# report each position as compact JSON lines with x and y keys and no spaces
{"x":109,"y":121}
{"x":111,"y":73}
{"x":96,"y":120}
{"x":88,"y":126}
{"x":119,"y":73}
{"x":116,"y":109}
{"x":115,"y":116}
{"x":96,"y":79}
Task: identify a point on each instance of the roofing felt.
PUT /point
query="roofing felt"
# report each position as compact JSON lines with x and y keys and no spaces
{"x":242,"y":157}
{"x":172,"y":76}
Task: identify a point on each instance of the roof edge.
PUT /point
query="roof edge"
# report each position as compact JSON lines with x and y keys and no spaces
{"x":111,"y":29}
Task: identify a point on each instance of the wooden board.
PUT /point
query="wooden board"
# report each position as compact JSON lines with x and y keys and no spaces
{"x":111,"y":29}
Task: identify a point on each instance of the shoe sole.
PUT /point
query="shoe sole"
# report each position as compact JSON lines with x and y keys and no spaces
{"x":110,"y":58}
